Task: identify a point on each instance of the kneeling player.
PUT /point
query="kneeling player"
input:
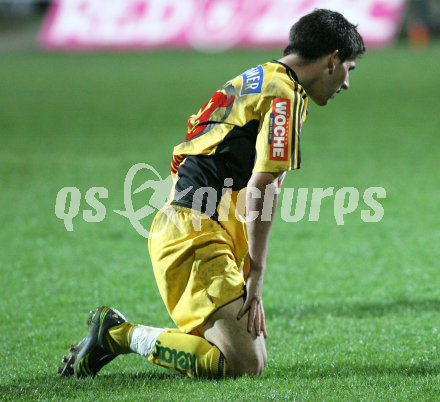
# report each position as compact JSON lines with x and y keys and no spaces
{"x":208,"y":259}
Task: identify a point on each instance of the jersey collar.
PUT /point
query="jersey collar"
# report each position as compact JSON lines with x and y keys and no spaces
{"x":292,"y":75}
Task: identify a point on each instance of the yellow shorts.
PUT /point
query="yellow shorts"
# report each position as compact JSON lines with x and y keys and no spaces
{"x":197,"y":271}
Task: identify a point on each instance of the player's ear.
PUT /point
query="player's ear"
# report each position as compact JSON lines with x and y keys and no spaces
{"x":333,"y":59}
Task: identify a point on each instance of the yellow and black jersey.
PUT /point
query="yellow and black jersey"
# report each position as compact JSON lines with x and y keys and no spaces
{"x":251,"y":125}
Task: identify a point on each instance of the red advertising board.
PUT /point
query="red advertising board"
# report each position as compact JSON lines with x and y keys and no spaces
{"x":203,"y":24}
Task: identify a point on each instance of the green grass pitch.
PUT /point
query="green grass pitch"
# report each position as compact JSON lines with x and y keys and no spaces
{"x":353,"y":311}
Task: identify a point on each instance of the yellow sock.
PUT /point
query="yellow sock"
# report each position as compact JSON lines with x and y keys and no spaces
{"x":191,"y":355}
{"x":119,"y":338}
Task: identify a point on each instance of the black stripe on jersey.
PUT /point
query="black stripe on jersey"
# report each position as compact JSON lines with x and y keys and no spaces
{"x":301,"y":113}
{"x":295,"y":127}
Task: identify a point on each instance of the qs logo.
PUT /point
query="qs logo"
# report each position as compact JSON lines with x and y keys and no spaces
{"x":69,"y":199}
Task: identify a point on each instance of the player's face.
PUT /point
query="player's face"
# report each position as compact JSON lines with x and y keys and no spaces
{"x":335,"y":78}
{"x":341,"y":78}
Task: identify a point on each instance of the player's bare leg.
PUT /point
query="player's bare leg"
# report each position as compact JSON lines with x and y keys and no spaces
{"x":225,"y":348}
{"x":245,"y":352}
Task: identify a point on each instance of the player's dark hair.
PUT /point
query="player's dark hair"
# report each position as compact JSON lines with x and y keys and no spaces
{"x":322,"y":32}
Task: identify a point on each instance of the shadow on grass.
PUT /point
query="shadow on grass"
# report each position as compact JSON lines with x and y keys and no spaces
{"x":153,"y":383}
{"x":41,"y":385}
{"x":357,"y":309}
{"x":313,"y":371}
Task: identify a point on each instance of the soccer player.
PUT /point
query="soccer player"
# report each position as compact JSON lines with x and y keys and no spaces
{"x":208,"y":245}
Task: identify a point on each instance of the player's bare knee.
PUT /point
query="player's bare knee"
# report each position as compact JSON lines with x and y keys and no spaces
{"x":245,"y":363}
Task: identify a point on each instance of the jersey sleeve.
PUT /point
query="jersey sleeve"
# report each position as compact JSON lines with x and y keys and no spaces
{"x":278,"y":139}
